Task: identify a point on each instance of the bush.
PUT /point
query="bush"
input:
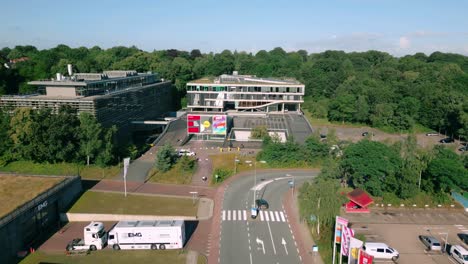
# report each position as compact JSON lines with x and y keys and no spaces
{"x":222,"y":174}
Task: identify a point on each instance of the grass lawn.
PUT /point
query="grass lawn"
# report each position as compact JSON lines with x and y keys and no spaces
{"x":174,"y":176}
{"x":17,"y":190}
{"x":227,"y":161}
{"x":116,"y":203}
{"x":110,"y":256}
{"x":86,"y":172}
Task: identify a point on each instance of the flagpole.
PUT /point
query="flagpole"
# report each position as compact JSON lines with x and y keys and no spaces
{"x":334,"y":243}
{"x":341,"y":245}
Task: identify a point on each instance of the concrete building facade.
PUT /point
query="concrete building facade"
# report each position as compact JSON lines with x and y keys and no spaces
{"x":244,"y":93}
{"x":113,"y":97}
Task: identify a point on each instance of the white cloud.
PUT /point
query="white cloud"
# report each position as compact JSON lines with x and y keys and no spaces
{"x":405,"y":43}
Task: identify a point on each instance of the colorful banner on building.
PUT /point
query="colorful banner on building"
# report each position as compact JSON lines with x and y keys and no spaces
{"x":365,"y":258}
{"x":219,"y":124}
{"x":354,"y":247}
{"x":340,"y":222}
{"x":346,"y":234}
{"x":207,"y":124}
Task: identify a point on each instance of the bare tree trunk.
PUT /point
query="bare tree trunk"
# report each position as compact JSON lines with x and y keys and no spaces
{"x":87,"y":160}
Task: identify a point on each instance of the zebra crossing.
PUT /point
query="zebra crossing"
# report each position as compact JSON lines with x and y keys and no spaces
{"x":244,"y":215}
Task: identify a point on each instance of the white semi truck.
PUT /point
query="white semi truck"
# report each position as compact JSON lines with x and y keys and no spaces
{"x":94,"y":237}
{"x":147,"y":235}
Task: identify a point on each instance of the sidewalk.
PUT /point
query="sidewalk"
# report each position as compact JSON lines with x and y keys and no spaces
{"x":300,"y":230}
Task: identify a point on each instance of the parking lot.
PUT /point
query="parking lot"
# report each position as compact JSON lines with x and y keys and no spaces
{"x":401,"y":230}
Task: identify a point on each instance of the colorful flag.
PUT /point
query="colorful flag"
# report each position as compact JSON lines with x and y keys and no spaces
{"x":354,"y":246}
{"x":340,"y":221}
{"x":346,"y":234}
{"x":365,"y":258}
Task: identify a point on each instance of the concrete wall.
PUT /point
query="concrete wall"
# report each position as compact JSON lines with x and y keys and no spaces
{"x":75,"y":217}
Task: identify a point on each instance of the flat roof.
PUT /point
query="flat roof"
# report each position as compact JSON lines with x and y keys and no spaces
{"x":16,"y":190}
{"x":226,"y":79}
{"x":146,"y":223}
{"x":81,"y":82}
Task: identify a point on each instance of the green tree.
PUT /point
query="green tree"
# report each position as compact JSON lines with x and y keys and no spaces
{"x":259,"y":132}
{"x":372,"y":166}
{"x":165,"y":158}
{"x":320,"y":199}
{"x":106,"y":155}
{"x":90,"y":136}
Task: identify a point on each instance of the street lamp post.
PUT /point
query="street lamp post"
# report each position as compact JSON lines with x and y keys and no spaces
{"x":235,"y":164}
{"x":194,"y":194}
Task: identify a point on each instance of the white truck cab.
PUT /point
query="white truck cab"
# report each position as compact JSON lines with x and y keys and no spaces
{"x":94,"y":237}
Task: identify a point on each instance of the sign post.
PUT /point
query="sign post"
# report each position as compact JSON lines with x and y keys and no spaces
{"x":126,"y":164}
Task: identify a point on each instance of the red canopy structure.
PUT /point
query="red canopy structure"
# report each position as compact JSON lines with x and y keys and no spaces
{"x":358,"y":201}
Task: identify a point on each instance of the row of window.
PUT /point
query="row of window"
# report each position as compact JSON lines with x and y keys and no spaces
{"x":245,"y":89}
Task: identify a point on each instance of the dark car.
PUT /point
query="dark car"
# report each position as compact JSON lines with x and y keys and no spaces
{"x":463,"y":237}
{"x":447,"y":140}
{"x":464,"y":148}
{"x":261,"y":204}
{"x":364,"y":134}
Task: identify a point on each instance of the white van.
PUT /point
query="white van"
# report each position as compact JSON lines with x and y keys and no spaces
{"x":459,"y":253}
{"x":381,"y":251}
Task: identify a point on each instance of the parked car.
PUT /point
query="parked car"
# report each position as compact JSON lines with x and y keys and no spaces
{"x":463,"y":148}
{"x":463,"y":237}
{"x":262,"y":204}
{"x":447,"y":140}
{"x":431,"y":243}
{"x":366,"y":133}
{"x":185,"y":152}
{"x":459,"y":254}
{"x":432,"y":134}
{"x":381,"y":251}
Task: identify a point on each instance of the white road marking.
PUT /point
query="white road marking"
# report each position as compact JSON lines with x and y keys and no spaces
{"x":234,"y":215}
{"x":229,"y":215}
{"x":245,"y":215}
{"x":285,"y":248}
{"x":251,"y":258}
{"x":272,"y":216}
{"x":277,"y":216}
{"x":261,"y":215}
{"x":267,"y":218}
{"x":282,"y":217}
{"x":271,"y":236}
{"x":224,"y":215}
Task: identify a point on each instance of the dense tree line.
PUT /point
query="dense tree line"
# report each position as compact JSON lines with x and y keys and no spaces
{"x":41,"y":136}
{"x":399,"y":169}
{"x":370,"y":87}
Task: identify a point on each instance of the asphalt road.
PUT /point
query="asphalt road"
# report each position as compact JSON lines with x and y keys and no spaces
{"x":266,"y":239}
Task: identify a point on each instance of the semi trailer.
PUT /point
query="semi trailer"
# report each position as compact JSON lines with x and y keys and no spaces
{"x":147,"y":235}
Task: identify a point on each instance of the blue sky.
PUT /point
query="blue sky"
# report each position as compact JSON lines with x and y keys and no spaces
{"x":396,"y":26}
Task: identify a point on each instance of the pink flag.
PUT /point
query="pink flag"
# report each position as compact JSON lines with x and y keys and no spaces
{"x":346,"y":234}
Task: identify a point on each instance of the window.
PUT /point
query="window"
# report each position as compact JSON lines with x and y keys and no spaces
{"x":388,"y":251}
{"x":381,"y":250}
{"x":111,"y":237}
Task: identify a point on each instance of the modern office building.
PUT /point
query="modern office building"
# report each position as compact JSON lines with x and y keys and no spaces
{"x":113,"y":97}
{"x":244,"y":93}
